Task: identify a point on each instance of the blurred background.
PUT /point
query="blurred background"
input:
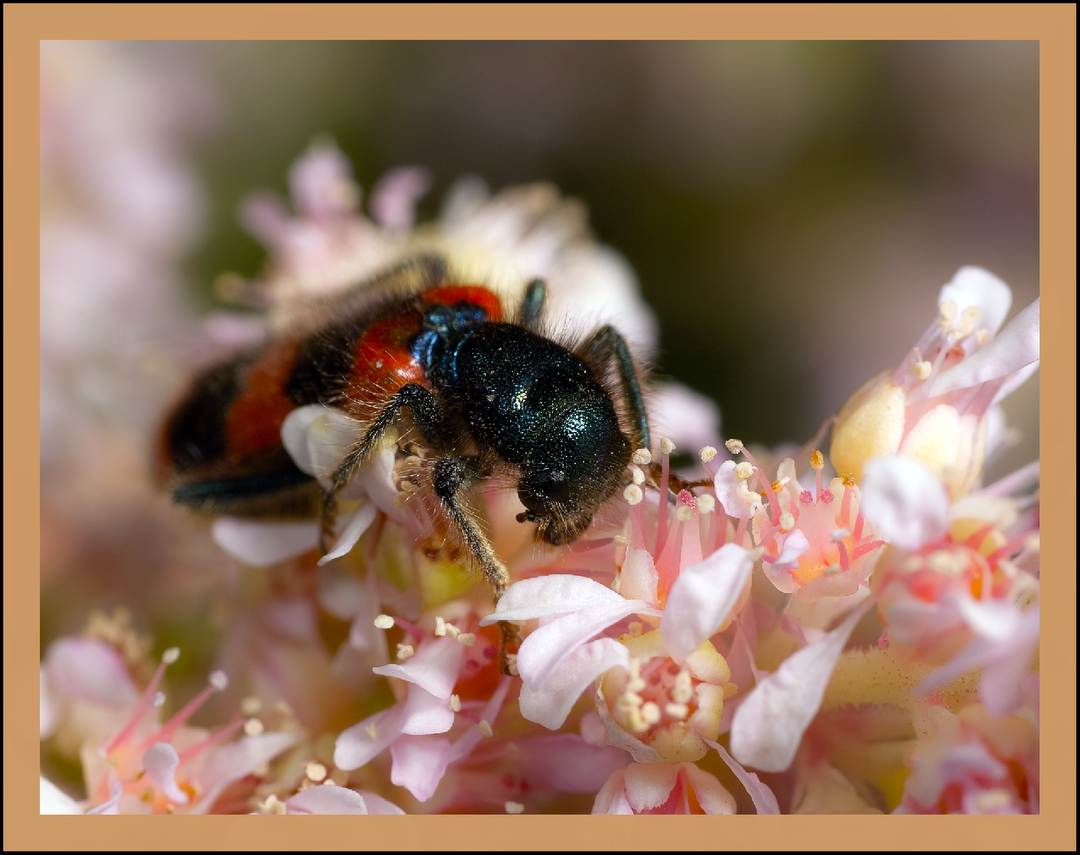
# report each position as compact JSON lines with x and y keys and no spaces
{"x":791,"y":210}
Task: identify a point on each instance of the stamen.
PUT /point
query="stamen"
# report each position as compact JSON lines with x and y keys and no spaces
{"x":315,"y":772}
{"x":254,"y":727}
{"x":642,"y":457}
{"x":707,"y":454}
{"x":384,"y":622}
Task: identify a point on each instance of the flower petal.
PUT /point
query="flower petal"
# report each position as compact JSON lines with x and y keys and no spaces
{"x":549,"y":705}
{"x":434,"y":667}
{"x":733,"y":493}
{"x":379,"y":806}
{"x":568,"y":763}
{"x":544,"y":596}
{"x":161,"y":762}
{"x":1016,"y":349}
{"x":326,"y":800}
{"x":702,"y":598}
{"x":89,"y":670}
{"x":547,"y":646}
{"x":425,"y":714}
{"x":648,"y":785}
{"x":763,"y":797}
{"x":904,"y":501}
{"x":354,"y":529}
{"x":263,"y":544}
{"x":361,"y":743}
{"x":768,"y":726}
{"x":974,"y":287}
{"x":713,"y":797}
{"x":55,"y":801}
{"x":419,"y":764}
{"x":234,"y":761}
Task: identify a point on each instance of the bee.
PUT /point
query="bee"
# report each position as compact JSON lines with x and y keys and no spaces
{"x":486,"y":390}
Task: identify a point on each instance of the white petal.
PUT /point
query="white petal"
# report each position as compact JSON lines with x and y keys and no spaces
{"x":611,"y":799}
{"x":161,"y":762}
{"x":354,"y":529}
{"x":702,"y":598}
{"x":768,"y":726}
{"x":263,"y":544}
{"x":733,"y":493}
{"x":763,"y":797}
{"x":50,"y":709}
{"x":55,"y":801}
{"x":544,"y":596}
{"x":638,"y":576}
{"x":547,"y":646}
{"x":327,"y":800}
{"x":433,"y":667}
{"x":1016,"y":349}
{"x":318,"y":438}
{"x":550,"y":705}
{"x":904,"y":502}
{"x":975,"y":287}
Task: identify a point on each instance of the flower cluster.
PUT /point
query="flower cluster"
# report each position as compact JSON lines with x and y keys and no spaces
{"x":851,"y":633}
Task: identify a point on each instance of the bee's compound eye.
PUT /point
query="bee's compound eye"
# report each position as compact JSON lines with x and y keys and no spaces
{"x":540,"y":490}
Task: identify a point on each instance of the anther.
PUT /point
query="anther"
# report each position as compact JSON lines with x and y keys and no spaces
{"x":666,"y":445}
{"x":642,"y":457}
{"x":384,"y":622}
{"x":707,"y":454}
{"x":633,"y":494}
{"x":735,"y":446}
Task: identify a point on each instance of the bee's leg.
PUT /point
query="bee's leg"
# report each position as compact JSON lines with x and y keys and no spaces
{"x":450,"y":478}
{"x":429,"y":419}
{"x":603,"y":345}
{"x":532,"y":307}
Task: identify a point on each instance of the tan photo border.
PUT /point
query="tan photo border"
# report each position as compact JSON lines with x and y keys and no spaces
{"x":1054,"y":26}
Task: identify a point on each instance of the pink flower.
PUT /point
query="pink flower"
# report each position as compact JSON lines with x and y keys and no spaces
{"x":974,"y":763}
{"x":934,"y":405}
{"x":657,"y":788}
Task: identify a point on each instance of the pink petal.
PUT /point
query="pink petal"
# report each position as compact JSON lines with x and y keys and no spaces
{"x":649,"y":785}
{"x":611,"y":799}
{"x":424,"y":713}
{"x":568,"y":763}
{"x":687,"y":418}
{"x":544,"y":596}
{"x":547,"y":646}
{"x":236,"y":760}
{"x":361,"y":743}
{"x":638,"y":576}
{"x":111,"y":806}
{"x":394,"y":196}
{"x":714,"y":799}
{"x":89,"y":670}
{"x":320,"y":181}
{"x":904,"y":502}
{"x":468,"y":740}
{"x":419,"y":764}
{"x":763,"y":797}
{"x":50,"y":709}
{"x":792,"y":548}
{"x":1016,"y":349}
{"x":378,"y":806}
{"x":434,"y":667}
{"x":549,"y":705}
{"x":263,"y":544}
{"x":702,"y":598}
{"x":768,"y":726}
{"x":161,"y":762}
{"x":318,"y":438}
{"x":973,"y":286}
{"x":326,"y":799}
